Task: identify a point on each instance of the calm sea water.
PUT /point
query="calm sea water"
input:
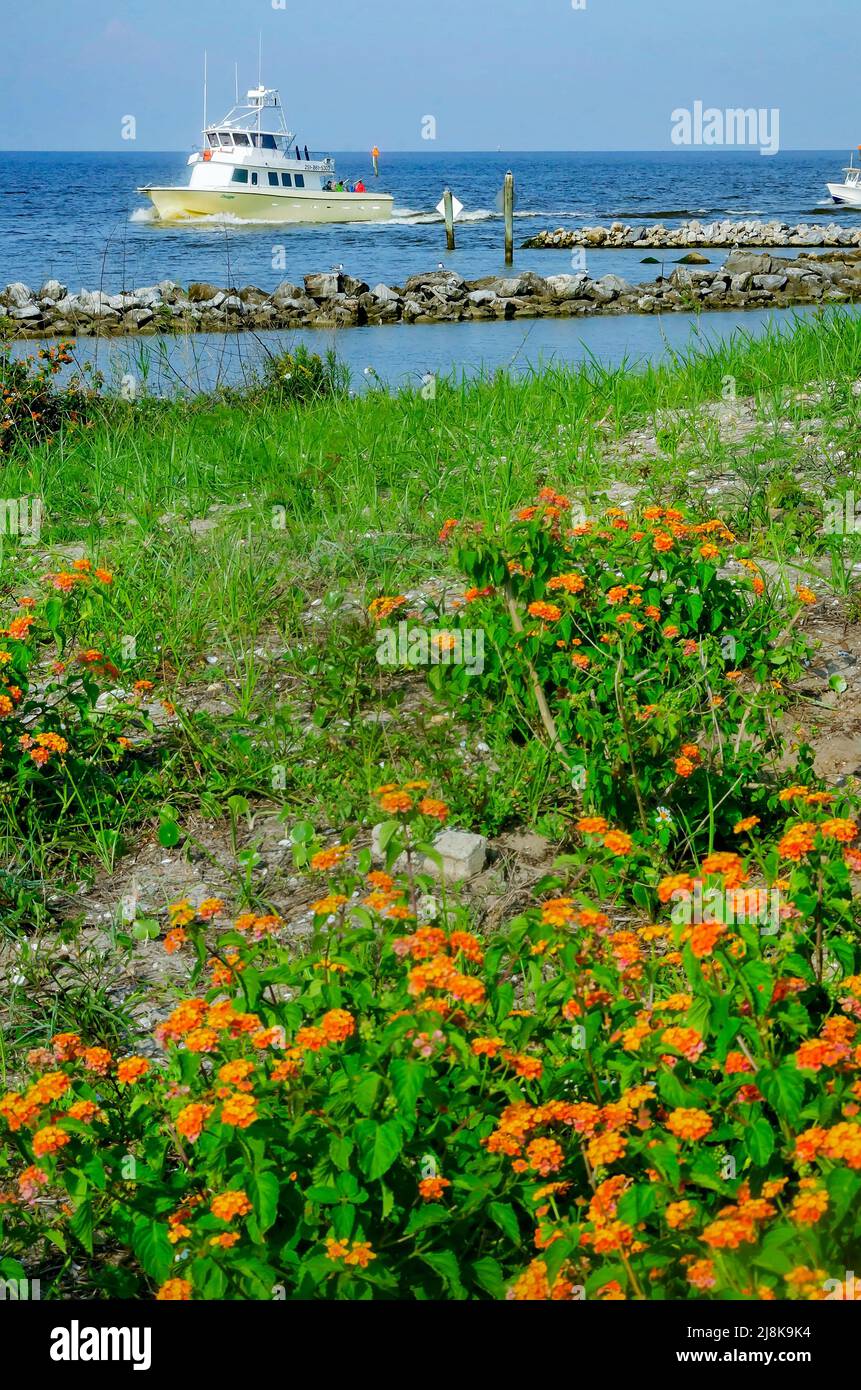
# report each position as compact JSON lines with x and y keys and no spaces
{"x":79,"y":217}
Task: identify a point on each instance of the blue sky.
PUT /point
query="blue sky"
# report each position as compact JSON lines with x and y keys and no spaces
{"x":515,"y":74}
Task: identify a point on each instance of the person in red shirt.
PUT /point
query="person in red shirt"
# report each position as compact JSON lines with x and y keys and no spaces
{"x":360,"y":187}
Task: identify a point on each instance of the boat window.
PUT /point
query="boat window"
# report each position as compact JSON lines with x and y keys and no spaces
{"x":273,"y":180}
{"x":213,"y":139}
{"x":240,"y":138}
{"x":300,"y":180}
{"x":240,"y":176}
{"x":226,"y":140}
{"x":254,"y":177}
{"x":254,"y":138}
{"x":287,"y":180}
{"x":268,"y":142}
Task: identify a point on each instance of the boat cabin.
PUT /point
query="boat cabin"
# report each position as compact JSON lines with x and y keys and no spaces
{"x":239,"y":150}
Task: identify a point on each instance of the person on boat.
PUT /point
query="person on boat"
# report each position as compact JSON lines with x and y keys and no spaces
{"x":360,"y":187}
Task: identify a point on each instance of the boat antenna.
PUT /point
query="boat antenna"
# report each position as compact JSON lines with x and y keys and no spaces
{"x":236,"y":80}
{"x":205,"y":64}
{"x":259,"y":76}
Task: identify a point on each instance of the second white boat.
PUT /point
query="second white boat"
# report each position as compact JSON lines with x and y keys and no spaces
{"x":848,"y":192}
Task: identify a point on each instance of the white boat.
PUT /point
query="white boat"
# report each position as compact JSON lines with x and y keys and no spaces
{"x":251,"y":168}
{"x":848,"y":192}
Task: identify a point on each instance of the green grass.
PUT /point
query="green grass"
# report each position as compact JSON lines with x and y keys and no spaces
{"x":340,"y":499}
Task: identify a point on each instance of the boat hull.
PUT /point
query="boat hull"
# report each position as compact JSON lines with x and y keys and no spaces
{"x":848,"y":194}
{"x":298,"y":205}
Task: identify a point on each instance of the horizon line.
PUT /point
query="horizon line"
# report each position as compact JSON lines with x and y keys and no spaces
{"x":706,"y":151}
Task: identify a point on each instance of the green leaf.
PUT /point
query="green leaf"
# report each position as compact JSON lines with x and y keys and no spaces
{"x":760,"y":978}
{"x":431,"y":1214}
{"x":340,"y":1151}
{"x":379,"y":1146}
{"x":759,"y":1142}
{"x":81,"y":1225}
{"x":146,"y":929}
{"x":488,"y":1275}
{"x":674,"y":1092}
{"x":843,"y":1187}
{"x":408,"y":1078}
{"x":506,"y":1219}
{"x":365,"y":1093}
{"x":772,"y":1256}
{"x":445,"y":1264}
{"x":169,"y":834}
{"x":637,"y":1204}
{"x":784,"y":1091}
{"x":152,"y":1247}
{"x":264,"y":1190}
{"x":322,"y":1195}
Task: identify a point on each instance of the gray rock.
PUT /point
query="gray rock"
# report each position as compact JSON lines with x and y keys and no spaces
{"x":26,"y":311}
{"x":599,"y":292}
{"x":446,"y":283}
{"x":615,"y":283}
{"x":324,"y":286}
{"x":388,"y":312}
{"x":567,"y":286}
{"x":531,"y":284}
{"x":148,"y":297}
{"x":170,"y":291}
{"x":385,"y":294}
{"x":507,"y":288}
{"x":463,"y":855}
{"x":737,"y":262}
{"x":480,"y":297}
{"x":202,"y":292}
{"x":301,"y":304}
{"x":769,"y":282}
{"x":88,"y":304}
{"x":17,"y":295}
{"x":52,"y":289}
{"x":353,"y":287}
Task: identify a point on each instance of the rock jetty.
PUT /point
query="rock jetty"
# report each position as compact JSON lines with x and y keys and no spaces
{"x":708,"y":235}
{"x":747,"y":280}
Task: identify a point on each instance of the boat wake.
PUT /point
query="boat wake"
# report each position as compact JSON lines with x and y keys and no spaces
{"x":210,"y":219}
{"x":415,"y":217}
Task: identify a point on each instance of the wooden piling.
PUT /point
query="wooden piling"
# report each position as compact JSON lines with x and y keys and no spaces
{"x":449,"y":219}
{"x":508,"y":204}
